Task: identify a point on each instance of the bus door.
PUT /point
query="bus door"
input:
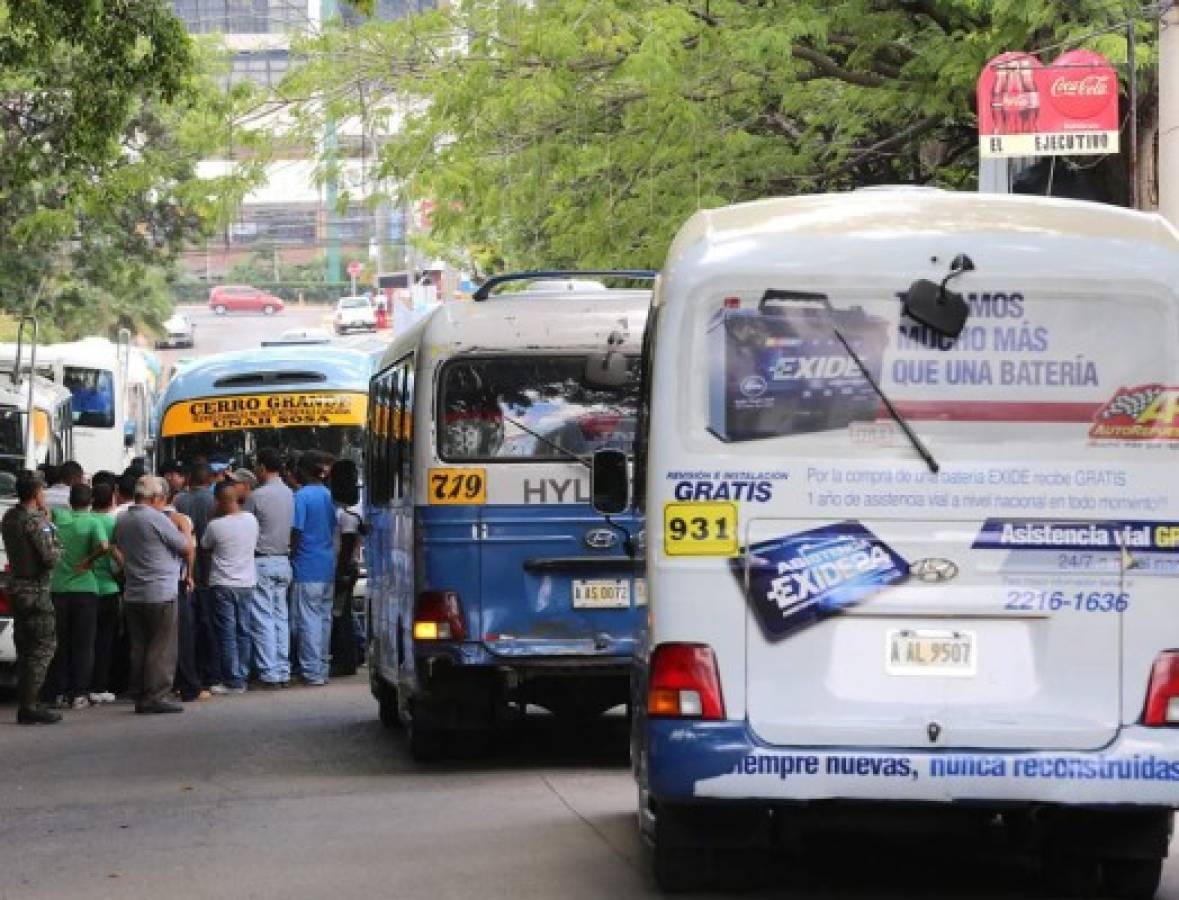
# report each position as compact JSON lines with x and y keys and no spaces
{"x":515,"y":436}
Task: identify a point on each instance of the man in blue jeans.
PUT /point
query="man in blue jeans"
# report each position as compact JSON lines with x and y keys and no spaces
{"x":313,"y":564}
{"x":229,"y":540}
{"x":273,"y":505}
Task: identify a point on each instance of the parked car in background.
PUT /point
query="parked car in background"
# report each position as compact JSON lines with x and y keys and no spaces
{"x":355,"y":314}
{"x":299,"y":336}
{"x":179,"y":331}
{"x":227,"y":298}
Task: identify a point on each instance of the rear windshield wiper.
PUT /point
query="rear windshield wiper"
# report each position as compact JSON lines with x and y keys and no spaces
{"x":568,"y":454}
{"x":917,"y":443}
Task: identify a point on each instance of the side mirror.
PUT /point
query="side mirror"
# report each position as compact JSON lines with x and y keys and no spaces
{"x":610,"y":482}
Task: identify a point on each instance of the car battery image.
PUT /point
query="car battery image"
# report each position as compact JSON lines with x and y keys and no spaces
{"x":780,"y":369}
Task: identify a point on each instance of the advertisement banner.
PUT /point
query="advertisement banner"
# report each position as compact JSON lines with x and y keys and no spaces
{"x":1068,"y":108}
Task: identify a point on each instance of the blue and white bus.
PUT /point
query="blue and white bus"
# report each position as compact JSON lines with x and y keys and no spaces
{"x":492,"y":583}
{"x":226,"y":407}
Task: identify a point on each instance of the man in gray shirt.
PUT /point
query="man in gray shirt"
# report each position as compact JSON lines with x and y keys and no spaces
{"x":197,"y":503}
{"x":152,"y":549}
{"x":273,"y":505}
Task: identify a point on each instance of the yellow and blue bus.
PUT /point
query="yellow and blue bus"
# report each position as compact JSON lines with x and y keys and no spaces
{"x":226,"y":407}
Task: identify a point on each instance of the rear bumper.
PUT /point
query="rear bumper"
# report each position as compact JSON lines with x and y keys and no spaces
{"x":709,"y":761}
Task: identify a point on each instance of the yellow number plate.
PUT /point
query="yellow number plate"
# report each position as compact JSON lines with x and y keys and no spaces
{"x":700,"y":529}
{"x":458,"y":486}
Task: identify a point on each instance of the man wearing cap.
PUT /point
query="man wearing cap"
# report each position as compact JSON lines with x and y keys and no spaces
{"x":152,"y":548}
{"x":273,"y":505}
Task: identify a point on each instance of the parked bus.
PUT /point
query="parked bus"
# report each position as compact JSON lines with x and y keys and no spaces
{"x":910,"y":473}
{"x":112,"y":395}
{"x":226,"y":407}
{"x":491,"y":581}
{"x":36,"y":425}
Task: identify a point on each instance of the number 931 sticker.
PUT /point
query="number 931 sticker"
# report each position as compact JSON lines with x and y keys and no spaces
{"x":700,"y":529}
{"x":458,"y":487}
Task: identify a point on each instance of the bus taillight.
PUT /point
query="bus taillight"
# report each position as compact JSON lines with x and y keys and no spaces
{"x":439,"y":617}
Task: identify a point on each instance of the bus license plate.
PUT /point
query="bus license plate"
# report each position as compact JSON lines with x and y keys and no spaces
{"x":942,"y":653}
{"x":601,"y":594}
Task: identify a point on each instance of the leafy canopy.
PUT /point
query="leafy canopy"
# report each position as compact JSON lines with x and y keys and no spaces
{"x":585,"y":131}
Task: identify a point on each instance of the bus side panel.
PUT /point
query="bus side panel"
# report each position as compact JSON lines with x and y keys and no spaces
{"x":447,"y":556}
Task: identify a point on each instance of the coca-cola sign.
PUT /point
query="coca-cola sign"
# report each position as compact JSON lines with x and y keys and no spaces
{"x":1026,"y":108}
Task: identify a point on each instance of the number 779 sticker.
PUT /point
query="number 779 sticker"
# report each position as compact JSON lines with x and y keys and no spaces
{"x":700,"y":529}
{"x":458,"y":486}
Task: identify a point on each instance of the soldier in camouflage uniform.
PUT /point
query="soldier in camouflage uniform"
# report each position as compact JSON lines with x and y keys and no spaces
{"x":33,"y":549}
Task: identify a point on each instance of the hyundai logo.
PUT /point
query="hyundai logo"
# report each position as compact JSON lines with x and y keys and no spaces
{"x":601,"y":539}
{"x":934,"y":570}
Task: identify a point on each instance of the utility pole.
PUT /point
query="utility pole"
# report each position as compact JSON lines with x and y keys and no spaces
{"x":327,"y":12}
{"x":1169,"y":115}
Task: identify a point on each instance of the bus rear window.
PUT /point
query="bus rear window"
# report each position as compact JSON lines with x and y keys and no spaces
{"x":533,"y":408}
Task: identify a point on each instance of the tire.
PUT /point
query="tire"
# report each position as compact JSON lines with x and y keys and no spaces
{"x":677,"y":869}
{"x":219,"y":309}
{"x":343,"y":646}
{"x":1071,"y":875}
{"x":1132,"y":879}
{"x":268,"y":310}
{"x":427,"y":744}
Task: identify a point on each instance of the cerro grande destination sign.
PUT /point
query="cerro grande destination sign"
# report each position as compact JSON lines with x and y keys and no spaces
{"x":279,"y":410}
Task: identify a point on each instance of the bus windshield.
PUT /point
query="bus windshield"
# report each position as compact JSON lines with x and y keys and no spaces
{"x":93,"y":393}
{"x":239,"y":446}
{"x":530,"y":408}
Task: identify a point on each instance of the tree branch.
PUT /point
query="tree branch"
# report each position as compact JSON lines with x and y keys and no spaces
{"x":830,"y":67}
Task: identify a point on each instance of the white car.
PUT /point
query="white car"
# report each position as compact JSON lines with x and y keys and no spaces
{"x":355,"y":314}
{"x":299,"y":336}
{"x":179,"y":331}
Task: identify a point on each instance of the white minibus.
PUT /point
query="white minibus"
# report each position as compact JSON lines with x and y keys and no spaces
{"x":913,"y":530}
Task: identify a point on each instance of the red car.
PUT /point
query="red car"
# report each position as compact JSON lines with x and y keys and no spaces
{"x":226,"y":298}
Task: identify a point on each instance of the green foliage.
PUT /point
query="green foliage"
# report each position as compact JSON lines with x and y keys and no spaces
{"x":585,"y":131}
{"x":107,"y":109}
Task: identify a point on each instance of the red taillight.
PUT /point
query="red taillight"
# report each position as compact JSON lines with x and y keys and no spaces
{"x":5,"y":603}
{"x":1162,"y":696}
{"x":439,"y":617}
{"x":684,"y":683}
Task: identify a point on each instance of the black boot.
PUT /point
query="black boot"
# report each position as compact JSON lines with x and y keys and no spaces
{"x":36,"y":715}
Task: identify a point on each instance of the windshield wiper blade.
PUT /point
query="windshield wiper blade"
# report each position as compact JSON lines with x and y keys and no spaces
{"x":544,"y":440}
{"x":917,"y":443}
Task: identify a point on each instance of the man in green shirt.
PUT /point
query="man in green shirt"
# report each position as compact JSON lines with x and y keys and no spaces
{"x":106,"y":567}
{"x":75,"y":600}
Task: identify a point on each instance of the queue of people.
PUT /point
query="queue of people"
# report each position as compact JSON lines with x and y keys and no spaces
{"x":174,"y":587}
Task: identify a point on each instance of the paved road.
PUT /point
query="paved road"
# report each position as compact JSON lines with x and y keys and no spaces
{"x":302,"y":794}
{"x":242,"y":331}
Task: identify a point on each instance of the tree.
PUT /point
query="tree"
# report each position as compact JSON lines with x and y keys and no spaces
{"x":105,"y":110}
{"x":586,"y":131}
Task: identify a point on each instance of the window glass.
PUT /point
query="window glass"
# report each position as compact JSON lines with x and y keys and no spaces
{"x":93,"y":393}
{"x":405,"y":434}
{"x":537,"y":407}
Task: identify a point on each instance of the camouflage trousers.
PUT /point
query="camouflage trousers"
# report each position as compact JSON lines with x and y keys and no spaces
{"x":35,"y":634}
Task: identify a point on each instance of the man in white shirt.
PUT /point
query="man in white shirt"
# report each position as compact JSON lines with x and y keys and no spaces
{"x":229,"y":540}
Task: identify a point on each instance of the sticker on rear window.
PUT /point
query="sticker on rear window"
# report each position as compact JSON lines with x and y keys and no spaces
{"x":1146,"y":412}
{"x":796,"y":581}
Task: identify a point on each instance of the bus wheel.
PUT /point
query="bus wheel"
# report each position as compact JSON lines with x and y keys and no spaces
{"x":1071,"y":874}
{"x":387,"y":710}
{"x":426,"y":743}
{"x":1132,"y":879}
{"x":677,"y":867}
